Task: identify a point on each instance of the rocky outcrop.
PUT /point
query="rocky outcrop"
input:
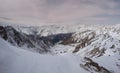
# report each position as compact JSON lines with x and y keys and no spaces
{"x":85,"y":42}
{"x":97,"y":52}
{"x":33,"y":41}
{"x":3,"y":32}
{"x":80,"y":37}
{"x":92,"y":66}
{"x":20,"y":39}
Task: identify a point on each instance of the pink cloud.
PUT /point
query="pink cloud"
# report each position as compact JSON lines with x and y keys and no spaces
{"x":55,"y":10}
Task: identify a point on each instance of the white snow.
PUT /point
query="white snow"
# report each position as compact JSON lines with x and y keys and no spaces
{"x":109,"y":62}
{"x":15,"y":60}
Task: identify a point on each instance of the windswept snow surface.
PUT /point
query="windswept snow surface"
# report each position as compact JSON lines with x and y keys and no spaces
{"x":15,"y":60}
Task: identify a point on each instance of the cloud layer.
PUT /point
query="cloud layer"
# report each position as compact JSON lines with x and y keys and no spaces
{"x":60,"y":11}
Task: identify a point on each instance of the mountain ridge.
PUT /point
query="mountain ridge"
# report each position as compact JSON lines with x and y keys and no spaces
{"x":92,"y":42}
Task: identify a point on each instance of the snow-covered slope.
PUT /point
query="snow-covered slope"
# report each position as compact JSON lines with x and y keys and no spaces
{"x":70,"y":28}
{"x":15,"y":60}
{"x":33,"y":42}
{"x":78,"y":48}
{"x":60,"y":28}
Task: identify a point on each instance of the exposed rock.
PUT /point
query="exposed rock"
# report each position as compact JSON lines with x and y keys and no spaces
{"x":20,"y":39}
{"x":113,"y":46}
{"x":82,"y":39}
{"x":97,"y":52}
{"x":92,"y":66}
{"x":3,"y":33}
{"x":31,"y":41}
{"x":85,"y":42}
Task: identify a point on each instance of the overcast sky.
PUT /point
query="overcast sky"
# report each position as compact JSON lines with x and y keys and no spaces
{"x":62,"y":11}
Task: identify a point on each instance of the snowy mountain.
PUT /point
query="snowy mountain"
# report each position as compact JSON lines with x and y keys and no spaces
{"x":15,"y":60}
{"x":32,"y":41}
{"x":69,"y":48}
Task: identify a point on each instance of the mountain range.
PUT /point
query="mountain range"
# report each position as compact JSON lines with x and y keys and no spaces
{"x":73,"y":48}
